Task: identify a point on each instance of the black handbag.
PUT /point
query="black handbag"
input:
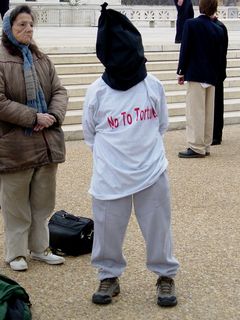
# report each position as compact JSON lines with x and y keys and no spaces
{"x":69,"y":234}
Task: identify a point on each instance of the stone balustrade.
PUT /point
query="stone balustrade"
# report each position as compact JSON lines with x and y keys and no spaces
{"x":83,"y":13}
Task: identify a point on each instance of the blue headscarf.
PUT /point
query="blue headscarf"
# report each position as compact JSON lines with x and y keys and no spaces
{"x":35,"y":95}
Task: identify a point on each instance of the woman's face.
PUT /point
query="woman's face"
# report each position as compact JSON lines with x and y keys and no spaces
{"x":22,"y":28}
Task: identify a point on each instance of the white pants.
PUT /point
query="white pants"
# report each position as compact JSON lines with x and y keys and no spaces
{"x":27,"y":200}
{"x":153,"y":212}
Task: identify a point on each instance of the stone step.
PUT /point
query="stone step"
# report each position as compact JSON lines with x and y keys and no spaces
{"x":73,"y":79}
{"x":77,"y":90}
{"x":172,"y":65}
{"x":171,"y":96}
{"x":91,"y":58}
{"x":232,"y":82}
{"x":178,"y":109}
{"x":232,"y":117}
{"x":180,"y":96}
{"x":73,"y":132}
{"x":75,"y":103}
{"x":59,"y":59}
{"x":234,"y":53}
{"x":76,"y":79}
{"x":92,"y":68}
{"x":80,"y":69}
{"x":169,"y":85}
{"x":73,"y":117}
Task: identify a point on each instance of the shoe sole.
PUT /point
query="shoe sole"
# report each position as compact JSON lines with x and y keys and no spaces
{"x":47,"y":261}
{"x":19,"y":269}
{"x":167,"y":303}
{"x":193,"y":156}
{"x":100,"y":300}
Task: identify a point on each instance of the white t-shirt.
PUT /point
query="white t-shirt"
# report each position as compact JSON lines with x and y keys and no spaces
{"x":124,"y":129}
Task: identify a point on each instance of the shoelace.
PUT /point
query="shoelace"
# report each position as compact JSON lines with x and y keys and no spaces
{"x":19,"y":258}
{"x":47,"y":252}
{"x":165,"y":285}
{"x":105,"y":284}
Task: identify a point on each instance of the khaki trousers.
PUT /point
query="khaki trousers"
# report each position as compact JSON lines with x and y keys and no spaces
{"x":27,"y":200}
{"x":199,"y":116}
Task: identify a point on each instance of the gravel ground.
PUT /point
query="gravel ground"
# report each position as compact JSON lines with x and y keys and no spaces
{"x":205,"y":207}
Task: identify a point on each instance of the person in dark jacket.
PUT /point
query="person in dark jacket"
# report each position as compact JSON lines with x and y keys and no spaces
{"x":184,"y":12}
{"x":199,"y":64}
{"x":4,"y":6}
{"x":219,"y":90}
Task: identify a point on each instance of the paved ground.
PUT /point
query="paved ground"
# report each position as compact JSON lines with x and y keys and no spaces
{"x":205,"y":206}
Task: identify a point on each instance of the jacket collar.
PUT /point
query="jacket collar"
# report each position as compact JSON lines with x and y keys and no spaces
{"x":5,"y":56}
{"x":204,"y":16}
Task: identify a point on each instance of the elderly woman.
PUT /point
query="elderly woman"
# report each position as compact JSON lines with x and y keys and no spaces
{"x":32,"y":108}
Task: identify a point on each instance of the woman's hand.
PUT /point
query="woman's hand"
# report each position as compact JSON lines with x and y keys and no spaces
{"x":44,"y":120}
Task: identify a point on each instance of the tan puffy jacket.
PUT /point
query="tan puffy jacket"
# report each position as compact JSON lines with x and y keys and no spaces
{"x":19,"y":151}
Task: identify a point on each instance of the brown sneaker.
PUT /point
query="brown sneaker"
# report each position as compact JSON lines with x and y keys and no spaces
{"x":166,"y":292}
{"x":108,"y":288}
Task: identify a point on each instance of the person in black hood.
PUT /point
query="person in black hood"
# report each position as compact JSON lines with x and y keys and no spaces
{"x":119,"y":48}
{"x":125,"y":116}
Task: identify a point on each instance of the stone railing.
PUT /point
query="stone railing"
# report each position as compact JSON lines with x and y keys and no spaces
{"x":63,"y":14}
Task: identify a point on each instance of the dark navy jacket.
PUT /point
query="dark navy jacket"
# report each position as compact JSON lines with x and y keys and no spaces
{"x":201,"y":50}
{"x":223,"y":67}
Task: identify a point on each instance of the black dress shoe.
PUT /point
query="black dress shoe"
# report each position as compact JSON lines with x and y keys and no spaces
{"x":216,"y":142}
{"x":189,"y":153}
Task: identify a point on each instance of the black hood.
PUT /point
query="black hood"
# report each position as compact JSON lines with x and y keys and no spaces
{"x":119,"y":47}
